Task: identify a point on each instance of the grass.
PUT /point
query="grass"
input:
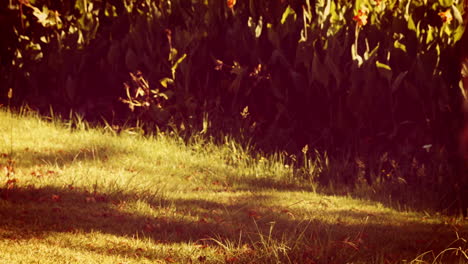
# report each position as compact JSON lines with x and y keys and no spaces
{"x":72,"y":194}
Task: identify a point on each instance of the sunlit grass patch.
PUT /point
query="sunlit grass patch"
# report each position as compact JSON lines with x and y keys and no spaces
{"x":90,"y":196}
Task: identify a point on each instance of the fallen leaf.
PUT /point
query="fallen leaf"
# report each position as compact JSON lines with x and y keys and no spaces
{"x":287,"y":212}
{"x":90,"y":199}
{"x":254,"y":214}
{"x":169,"y":260}
{"x":36,"y":174}
{"x":56,"y":198}
{"x":231,"y":260}
{"x":11,"y":183}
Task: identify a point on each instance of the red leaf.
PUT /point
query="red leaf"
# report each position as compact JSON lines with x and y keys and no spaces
{"x":55,"y":198}
{"x":254,"y":214}
{"x":11,"y":183}
{"x":231,"y":260}
{"x":90,"y":199}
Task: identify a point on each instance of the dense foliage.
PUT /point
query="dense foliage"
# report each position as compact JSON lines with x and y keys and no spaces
{"x":372,"y":77}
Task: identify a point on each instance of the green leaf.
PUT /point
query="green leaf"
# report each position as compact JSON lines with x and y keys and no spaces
{"x":464,"y":68}
{"x":384,"y":70}
{"x":250,"y":22}
{"x":322,"y":8}
{"x":445,"y":3}
{"x":172,"y":54}
{"x":458,"y":33}
{"x":307,"y":12}
{"x":165,"y":82}
{"x":382,"y":66}
{"x":139,"y":92}
{"x":258,"y":28}
{"x":80,"y":5}
{"x":10,"y":93}
{"x":399,"y":45}
{"x":457,"y":14}
{"x":430,"y":34}
{"x":163,"y":95}
{"x":411,"y":24}
{"x":288,"y":12}
{"x":179,"y":61}
{"x":356,"y":57}
{"x":368,"y":54}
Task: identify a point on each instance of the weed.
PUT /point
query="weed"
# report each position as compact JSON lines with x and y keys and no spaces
{"x":455,"y":252}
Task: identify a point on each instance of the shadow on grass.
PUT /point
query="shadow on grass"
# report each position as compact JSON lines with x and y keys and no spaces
{"x":27,"y":213}
{"x":252,"y":183}
{"x":86,"y":152}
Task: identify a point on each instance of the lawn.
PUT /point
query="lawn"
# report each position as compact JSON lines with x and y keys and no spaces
{"x":74,"y":194}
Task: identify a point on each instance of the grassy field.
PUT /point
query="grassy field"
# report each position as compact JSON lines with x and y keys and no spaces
{"x":70,"y":194}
